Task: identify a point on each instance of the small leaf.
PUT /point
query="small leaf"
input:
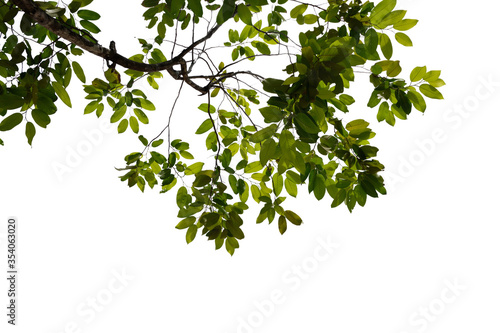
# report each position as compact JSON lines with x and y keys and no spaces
{"x":88,"y":15}
{"x":291,"y":187}
{"x":186,"y":223}
{"x":11,"y":121}
{"x":385,"y":45}
{"x":418,"y":101}
{"x":418,"y":73}
{"x":263,"y":134}
{"x":122,"y":126}
{"x":143,"y":118}
{"x":292,"y":217}
{"x":282,"y":224}
{"x":134,"y":124}
{"x":306,"y":123}
{"x":191,"y":233}
{"x":381,"y":10}
{"x":244,"y":14}
{"x":204,"y":127}
{"x":430,"y":91}
{"x":80,"y":74}
{"x":405,"y":24}
{"x":61,"y":92}
{"x":40,"y":118}
{"x":403,"y":39}
{"x":90,"y":26}
{"x":30,"y":132}
{"x":11,"y":101}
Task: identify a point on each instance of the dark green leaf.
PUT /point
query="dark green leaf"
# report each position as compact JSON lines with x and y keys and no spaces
{"x":282,"y":224}
{"x":30,"y":132}
{"x":292,"y":217}
{"x":11,"y":121}
{"x":88,"y":15}
{"x":244,"y":14}
{"x":90,"y":26}
{"x":40,"y":118}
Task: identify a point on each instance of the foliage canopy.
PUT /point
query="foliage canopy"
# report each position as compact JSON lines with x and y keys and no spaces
{"x":297,"y":138}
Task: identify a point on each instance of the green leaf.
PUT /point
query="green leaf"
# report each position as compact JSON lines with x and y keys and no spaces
{"x":381,"y":10}
{"x":157,"y":143}
{"x":11,"y":121}
{"x":61,"y":92}
{"x":271,"y":114}
{"x":245,"y":14}
{"x":134,"y":124}
{"x":205,"y":126}
{"x":298,"y":10}
{"x":253,"y":167}
{"x":187,"y":155}
{"x":262,"y":48}
{"x":226,"y":11}
{"x":357,"y":124}
{"x":186,"y":223}
{"x":90,"y":26}
{"x":418,"y":73}
{"x":292,"y":217}
{"x":306,"y":123}
{"x":263,"y":134}
{"x":432,"y":76}
{"x":11,"y":101}
{"x":403,"y":39}
{"x":118,"y":114}
{"x":194,"y":168}
{"x":385,"y":45}
{"x":144,"y":141}
{"x":267,"y":151}
{"x":319,"y":187}
{"x":80,"y":74}
{"x":122,"y":126}
{"x":291,"y":187}
{"x":282,"y":224}
{"x":143,"y":118}
{"x":405,"y":24}
{"x":88,"y":15}
{"x":30,"y":132}
{"x":371,"y":40}
{"x":277,"y":184}
{"x":204,"y":107}
{"x":394,"y":69}
{"x":417,"y":100}
{"x":40,"y":118}
{"x":430,"y":91}
{"x":196,"y":7}
{"x":392,"y":18}
{"x":147,"y":105}
{"x":191,"y":233}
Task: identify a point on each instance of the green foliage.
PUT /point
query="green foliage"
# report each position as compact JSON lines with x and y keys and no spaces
{"x":297,"y":140}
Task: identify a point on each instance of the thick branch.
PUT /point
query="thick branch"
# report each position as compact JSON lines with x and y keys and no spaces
{"x":42,"y":18}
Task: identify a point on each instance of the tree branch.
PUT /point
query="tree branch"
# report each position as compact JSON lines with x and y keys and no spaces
{"x":42,"y":18}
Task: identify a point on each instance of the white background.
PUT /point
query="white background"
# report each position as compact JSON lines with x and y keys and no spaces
{"x":396,"y":257}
